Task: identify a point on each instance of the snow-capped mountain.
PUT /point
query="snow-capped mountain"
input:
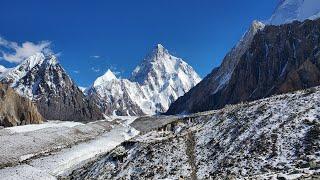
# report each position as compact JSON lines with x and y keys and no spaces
{"x":291,"y":10}
{"x":43,"y":80}
{"x":119,"y":96}
{"x":164,"y":77}
{"x":155,"y":84}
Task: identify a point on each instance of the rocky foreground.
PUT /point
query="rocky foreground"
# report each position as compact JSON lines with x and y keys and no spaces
{"x":16,"y":110}
{"x":277,"y":137}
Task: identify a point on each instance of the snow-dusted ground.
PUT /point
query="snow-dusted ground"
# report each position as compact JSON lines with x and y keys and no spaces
{"x":51,"y":149}
{"x":127,"y":120}
{"x":49,"y":124}
{"x":272,"y":138}
{"x":25,"y":172}
{"x":276,"y":137}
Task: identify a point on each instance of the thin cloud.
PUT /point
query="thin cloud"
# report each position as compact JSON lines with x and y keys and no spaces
{"x":95,"y":56}
{"x":16,"y":53}
{"x":95,"y":69}
{"x":76,"y":71}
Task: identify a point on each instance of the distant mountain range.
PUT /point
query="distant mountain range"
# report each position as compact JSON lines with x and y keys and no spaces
{"x":272,"y":57}
{"x":154,"y":85}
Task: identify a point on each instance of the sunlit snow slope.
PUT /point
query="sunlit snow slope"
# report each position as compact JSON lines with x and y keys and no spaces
{"x":155,"y":84}
{"x":300,"y":10}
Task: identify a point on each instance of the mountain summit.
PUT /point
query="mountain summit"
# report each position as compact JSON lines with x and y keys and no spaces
{"x":291,"y":10}
{"x":165,"y":73}
{"x":158,"y":81}
{"x":107,"y":77}
{"x":43,"y":80}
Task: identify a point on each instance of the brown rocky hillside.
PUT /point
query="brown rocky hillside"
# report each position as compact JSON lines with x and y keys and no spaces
{"x":16,"y":110}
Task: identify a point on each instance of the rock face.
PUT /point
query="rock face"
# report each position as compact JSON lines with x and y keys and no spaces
{"x":16,"y":110}
{"x":279,"y":59}
{"x":218,"y":78}
{"x":42,"y":79}
{"x":273,"y":138}
{"x":155,"y":84}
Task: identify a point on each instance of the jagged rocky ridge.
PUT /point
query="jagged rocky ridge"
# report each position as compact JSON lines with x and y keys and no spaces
{"x":277,"y":137}
{"x":16,"y":110}
{"x":42,"y":79}
{"x":279,"y":59}
{"x":155,"y":84}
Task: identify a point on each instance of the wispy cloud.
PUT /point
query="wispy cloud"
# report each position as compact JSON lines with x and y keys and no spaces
{"x":15,"y":53}
{"x":95,"y":56}
{"x":76,"y":71}
{"x":115,"y":70}
{"x":95,"y":69}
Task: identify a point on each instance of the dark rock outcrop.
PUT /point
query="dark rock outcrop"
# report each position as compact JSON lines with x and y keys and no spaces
{"x":279,"y":59}
{"x":16,"y":110}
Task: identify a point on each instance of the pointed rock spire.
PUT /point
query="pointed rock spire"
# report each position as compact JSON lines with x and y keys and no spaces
{"x":108,"y":76}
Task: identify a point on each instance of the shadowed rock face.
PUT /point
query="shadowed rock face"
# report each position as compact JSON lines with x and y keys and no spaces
{"x":16,"y":110}
{"x":66,"y":101}
{"x":43,"y":80}
{"x":279,"y":59}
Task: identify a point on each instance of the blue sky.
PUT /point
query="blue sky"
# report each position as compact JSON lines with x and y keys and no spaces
{"x":92,"y":36}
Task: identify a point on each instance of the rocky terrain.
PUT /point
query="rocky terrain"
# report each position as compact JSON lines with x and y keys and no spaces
{"x":16,"y":110}
{"x":278,"y":59}
{"x":158,"y":81}
{"x":43,"y":80}
{"x":277,"y":137}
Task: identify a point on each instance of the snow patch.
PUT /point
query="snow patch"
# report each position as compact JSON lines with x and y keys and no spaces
{"x":49,"y":124}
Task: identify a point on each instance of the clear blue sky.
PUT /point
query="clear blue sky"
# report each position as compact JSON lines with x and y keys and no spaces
{"x":121,"y":32}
